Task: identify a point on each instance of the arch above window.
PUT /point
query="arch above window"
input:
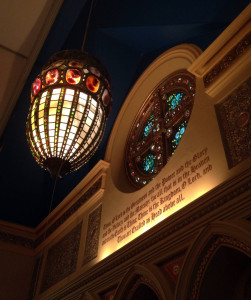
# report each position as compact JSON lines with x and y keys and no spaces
{"x":159,"y":127}
{"x":144,"y":280}
{"x":170,"y":63}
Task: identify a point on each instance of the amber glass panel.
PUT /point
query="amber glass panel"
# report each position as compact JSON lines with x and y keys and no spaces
{"x":73,"y":76}
{"x":52,"y":76}
{"x":92,"y":83}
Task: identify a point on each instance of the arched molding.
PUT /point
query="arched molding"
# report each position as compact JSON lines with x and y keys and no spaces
{"x":173,"y":60}
{"x":149,"y":275}
{"x":205,"y":246}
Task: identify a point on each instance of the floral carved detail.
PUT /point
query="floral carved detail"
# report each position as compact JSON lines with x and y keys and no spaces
{"x":92,"y":239}
{"x":62,"y":258}
{"x":234,"y":114}
{"x":218,"y":242}
{"x":173,"y":267}
{"x":227,"y":60}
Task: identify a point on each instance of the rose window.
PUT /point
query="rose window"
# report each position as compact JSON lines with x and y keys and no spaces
{"x":159,"y":128}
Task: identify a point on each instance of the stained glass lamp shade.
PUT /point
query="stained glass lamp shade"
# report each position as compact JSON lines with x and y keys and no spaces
{"x":159,"y":127}
{"x":70,"y":102}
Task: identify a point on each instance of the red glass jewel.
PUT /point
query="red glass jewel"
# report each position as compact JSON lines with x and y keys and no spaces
{"x":94,"y":71}
{"x":57,"y":63}
{"x":52,"y":76}
{"x":36,"y":86}
{"x":108,"y":85}
{"x":76,"y":64}
{"x":106,"y":98}
{"x":92,"y":84}
{"x":73,"y":76}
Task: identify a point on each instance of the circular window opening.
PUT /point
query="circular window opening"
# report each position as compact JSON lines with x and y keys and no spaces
{"x":159,"y":127}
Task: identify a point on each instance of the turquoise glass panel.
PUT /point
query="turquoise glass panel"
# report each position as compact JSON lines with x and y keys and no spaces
{"x":174,"y":100}
{"x":149,"y":126}
{"x":178,"y":135}
{"x":149,"y":163}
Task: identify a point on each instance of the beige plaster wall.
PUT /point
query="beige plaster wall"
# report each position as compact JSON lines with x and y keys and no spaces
{"x":24,"y":28}
{"x":122,"y":221}
{"x":15,"y":275}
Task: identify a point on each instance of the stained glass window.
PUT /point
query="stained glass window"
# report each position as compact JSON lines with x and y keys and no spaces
{"x":178,"y":135}
{"x":159,"y":127}
{"x":148,"y":126}
{"x":149,"y":163}
{"x":174,"y":99}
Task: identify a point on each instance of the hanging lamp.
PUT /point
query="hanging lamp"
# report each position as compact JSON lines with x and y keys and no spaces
{"x":70,"y":102}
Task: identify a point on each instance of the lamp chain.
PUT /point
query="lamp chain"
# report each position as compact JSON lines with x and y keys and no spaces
{"x":58,"y":172}
{"x":87,"y":26}
{"x":44,"y":236}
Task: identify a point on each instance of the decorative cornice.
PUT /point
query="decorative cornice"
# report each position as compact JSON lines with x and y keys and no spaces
{"x":31,"y":243}
{"x":16,"y":240}
{"x":227,"y":60}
